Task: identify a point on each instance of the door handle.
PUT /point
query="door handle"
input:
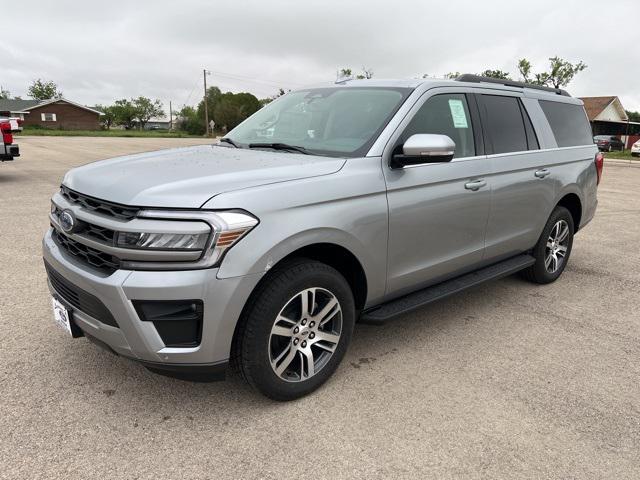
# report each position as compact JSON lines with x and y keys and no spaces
{"x":542,"y":172}
{"x":475,"y":185}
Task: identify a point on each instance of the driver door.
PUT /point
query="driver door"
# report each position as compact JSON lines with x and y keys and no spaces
{"x":438,"y":212}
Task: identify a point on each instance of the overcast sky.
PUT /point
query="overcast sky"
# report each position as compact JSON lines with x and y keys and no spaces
{"x":100,"y":51}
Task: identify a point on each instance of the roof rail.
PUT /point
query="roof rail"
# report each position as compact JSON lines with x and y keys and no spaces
{"x":468,"y":77}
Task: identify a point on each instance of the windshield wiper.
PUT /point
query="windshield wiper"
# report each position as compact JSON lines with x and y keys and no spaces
{"x":229,"y":141}
{"x":280,"y":146}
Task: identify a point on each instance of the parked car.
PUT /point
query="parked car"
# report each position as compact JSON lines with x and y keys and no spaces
{"x":9,"y":150}
{"x":370,"y":199}
{"x":635,"y":149}
{"x":608,"y":143}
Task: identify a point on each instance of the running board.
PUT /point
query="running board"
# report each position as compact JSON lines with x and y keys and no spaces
{"x":402,"y":305}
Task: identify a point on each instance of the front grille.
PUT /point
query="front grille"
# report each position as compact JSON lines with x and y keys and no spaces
{"x":100,"y":260}
{"x":78,"y":298}
{"x":99,"y":233}
{"x":99,"y":206}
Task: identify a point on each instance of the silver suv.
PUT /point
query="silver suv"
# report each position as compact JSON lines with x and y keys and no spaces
{"x":357,"y":201}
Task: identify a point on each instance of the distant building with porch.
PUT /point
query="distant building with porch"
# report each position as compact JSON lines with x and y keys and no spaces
{"x":608,"y":117}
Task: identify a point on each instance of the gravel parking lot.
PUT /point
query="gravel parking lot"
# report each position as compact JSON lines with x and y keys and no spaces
{"x":508,"y":380}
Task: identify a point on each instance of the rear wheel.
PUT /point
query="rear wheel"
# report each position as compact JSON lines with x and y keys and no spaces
{"x":296,"y":330}
{"x":553,"y":248}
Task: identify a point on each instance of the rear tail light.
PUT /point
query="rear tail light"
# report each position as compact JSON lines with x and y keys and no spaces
{"x":599,"y":165}
{"x":7,"y":137}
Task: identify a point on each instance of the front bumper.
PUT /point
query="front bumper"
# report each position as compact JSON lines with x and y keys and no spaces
{"x":223,"y":300}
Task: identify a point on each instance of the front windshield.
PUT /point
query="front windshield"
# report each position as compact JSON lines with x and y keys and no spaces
{"x":342,"y":121}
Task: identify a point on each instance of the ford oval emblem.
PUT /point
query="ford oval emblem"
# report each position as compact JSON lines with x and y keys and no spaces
{"x":67,"y":221}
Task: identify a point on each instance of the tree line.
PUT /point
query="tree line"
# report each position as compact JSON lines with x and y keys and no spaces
{"x":130,"y":114}
{"x":226,"y":110}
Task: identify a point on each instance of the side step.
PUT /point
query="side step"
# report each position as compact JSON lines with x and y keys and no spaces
{"x":380,"y":314}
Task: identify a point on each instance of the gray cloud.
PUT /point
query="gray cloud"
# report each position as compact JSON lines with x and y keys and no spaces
{"x":100,"y":51}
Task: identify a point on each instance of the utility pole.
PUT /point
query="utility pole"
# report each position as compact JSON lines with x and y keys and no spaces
{"x":206,"y":104}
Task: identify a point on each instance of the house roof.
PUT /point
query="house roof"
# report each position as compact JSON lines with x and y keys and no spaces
{"x":595,"y":106}
{"x":14,"y":105}
{"x":54,"y":100}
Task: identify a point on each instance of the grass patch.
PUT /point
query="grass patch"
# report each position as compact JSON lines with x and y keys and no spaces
{"x":43,"y":132}
{"x":626,"y":155}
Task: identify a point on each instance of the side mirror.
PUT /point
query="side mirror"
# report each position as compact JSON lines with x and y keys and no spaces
{"x":424,"y":148}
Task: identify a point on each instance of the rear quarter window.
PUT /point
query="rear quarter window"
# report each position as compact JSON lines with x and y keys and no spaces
{"x":568,"y":122}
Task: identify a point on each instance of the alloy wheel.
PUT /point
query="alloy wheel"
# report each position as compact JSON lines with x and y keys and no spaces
{"x":305,"y":334}
{"x":557,"y":246}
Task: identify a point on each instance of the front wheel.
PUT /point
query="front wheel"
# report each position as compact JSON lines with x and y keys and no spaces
{"x":553,"y":248}
{"x":296,"y":329}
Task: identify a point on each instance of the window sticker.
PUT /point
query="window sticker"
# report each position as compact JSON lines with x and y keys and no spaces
{"x":458,"y":114}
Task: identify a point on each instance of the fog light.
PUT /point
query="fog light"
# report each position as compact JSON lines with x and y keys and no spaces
{"x":178,"y":322}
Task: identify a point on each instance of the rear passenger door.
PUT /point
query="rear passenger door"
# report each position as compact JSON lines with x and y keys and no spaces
{"x":523,"y":189}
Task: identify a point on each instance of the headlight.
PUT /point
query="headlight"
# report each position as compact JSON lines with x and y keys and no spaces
{"x":162,"y":241}
{"x":226,"y":229}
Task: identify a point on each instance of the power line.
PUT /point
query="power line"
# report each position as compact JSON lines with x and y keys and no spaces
{"x":276,"y":83}
{"x":246,"y":79}
{"x":192,"y":90}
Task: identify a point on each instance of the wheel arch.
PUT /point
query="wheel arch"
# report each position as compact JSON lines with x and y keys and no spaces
{"x":572,"y":202}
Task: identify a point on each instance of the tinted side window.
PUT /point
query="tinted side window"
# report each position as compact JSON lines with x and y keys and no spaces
{"x":568,"y":122}
{"x":445,"y":115}
{"x":504,"y":124}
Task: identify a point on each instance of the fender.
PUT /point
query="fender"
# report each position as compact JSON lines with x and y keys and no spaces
{"x":232,"y":265}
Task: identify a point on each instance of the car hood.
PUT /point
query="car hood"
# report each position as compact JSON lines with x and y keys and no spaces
{"x":188,"y":177}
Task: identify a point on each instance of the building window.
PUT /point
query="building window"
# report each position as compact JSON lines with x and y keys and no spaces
{"x":48,"y":117}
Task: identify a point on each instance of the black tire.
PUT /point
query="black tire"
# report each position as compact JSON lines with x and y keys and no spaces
{"x":538,"y":272}
{"x":252,"y":348}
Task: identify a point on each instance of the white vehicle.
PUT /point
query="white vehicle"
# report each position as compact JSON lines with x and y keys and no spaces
{"x":8,"y":150}
{"x":635,"y":149}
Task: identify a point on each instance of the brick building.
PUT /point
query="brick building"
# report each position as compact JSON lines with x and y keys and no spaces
{"x":57,"y":113}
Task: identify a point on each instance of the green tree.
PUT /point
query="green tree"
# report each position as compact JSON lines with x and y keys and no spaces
{"x":560,"y":73}
{"x":452,"y":75}
{"x":496,"y":74}
{"x":125,"y":113}
{"x":347,"y":73}
{"x":213,"y":97}
{"x":633,"y":116}
{"x":366,"y":73}
{"x":189,"y":121}
{"x":145,"y":109}
{"x":109,"y":115}
{"x":44,"y":90}
{"x":4,"y":94}
{"x":233,"y":108}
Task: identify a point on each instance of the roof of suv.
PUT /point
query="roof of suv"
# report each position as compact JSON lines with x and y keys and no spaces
{"x":471,"y":81}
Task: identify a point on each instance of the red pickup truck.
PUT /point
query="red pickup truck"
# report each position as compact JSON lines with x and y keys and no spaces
{"x":9,"y":150}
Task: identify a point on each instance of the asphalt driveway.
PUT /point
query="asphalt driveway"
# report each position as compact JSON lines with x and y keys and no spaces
{"x":508,"y":380}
